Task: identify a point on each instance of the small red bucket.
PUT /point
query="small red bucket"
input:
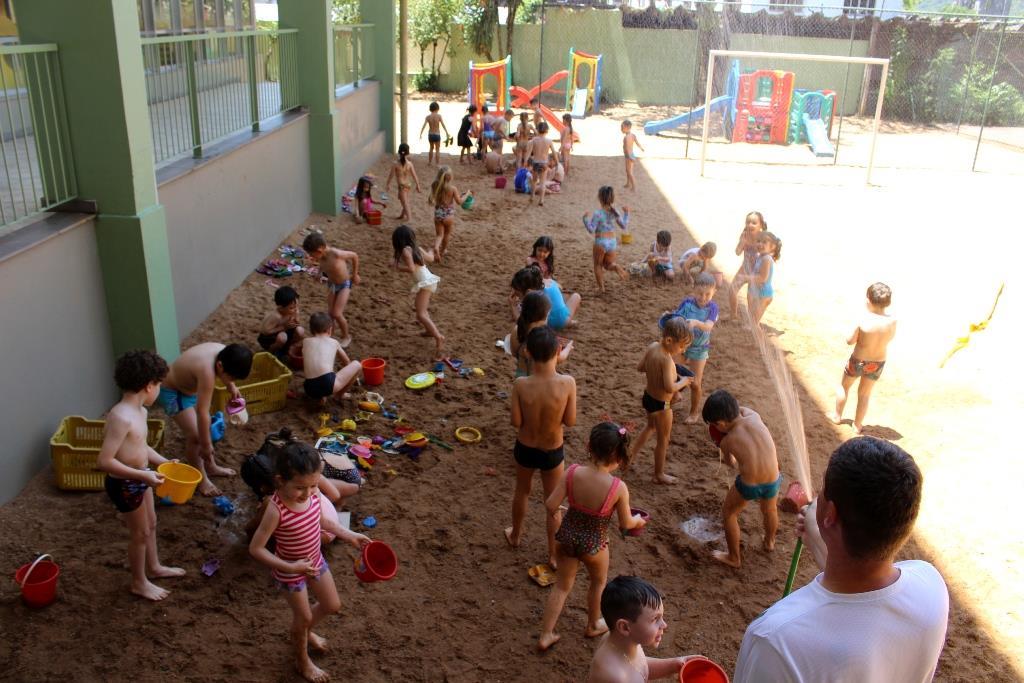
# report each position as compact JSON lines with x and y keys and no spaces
{"x":373,"y":371}
{"x":377,"y":562}
{"x":500,"y":182}
{"x":646,"y":517}
{"x":295,"y":356}
{"x":373,"y":217}
{"x":38,"y":581}
{"x":702,"y":670}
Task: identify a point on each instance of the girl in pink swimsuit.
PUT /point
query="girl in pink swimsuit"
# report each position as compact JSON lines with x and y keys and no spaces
{"x":594,"y":497}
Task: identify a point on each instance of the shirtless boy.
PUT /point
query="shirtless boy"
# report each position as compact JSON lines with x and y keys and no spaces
{"x":628,"y":140}
{"x":318,"y":354}
{"x":494,"y":164}
{"x":280,"y":328}
{"x":125,"y":457}
{"x":539,"y":148}
{"x":186,"y":395}
{"x":871,"y":339}
{"x":435,"y":123}
{"x":663,"y":383}
{"x":538,"y":115}
{"x":635,"y":614}
{"x":745,"y":443}
{"x":334,"y":265}
{"x":542,"y":404}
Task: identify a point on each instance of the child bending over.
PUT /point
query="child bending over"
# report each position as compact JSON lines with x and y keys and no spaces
{"x":435,"y":123}
{"x":335,"y":266}
{"x":602,"y":226}
{"x":745,"y":443}
{"x":595,"y":497}
{"x":628,"y":141}
{"x":186,"y":395}
{"x":769,"y":248}
{"x":318,"y":354}
{"x":635,"y":614}
{"x":664,"y":381}
{"x":411,"y":258}
{"x":294,"y":518}
{"x":701,"y":313}
{"x":280,"y":328}
{"x":405,"y":175}
{"x":541,"y":405}
{"x":533,"y":314}
{"x":697,"y":260}
{"x":659,"y":260}
{"x":126,"y":457}
{"x":871,"y":343}
{"x":529,"y":280}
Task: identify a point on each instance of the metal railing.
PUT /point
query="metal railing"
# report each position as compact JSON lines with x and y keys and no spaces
{"x":201,"y":88}
{"x":353,"y":54}
{"x":35,"y":148}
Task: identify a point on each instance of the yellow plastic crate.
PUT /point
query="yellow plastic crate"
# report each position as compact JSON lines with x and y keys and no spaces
{"x":75,"y":447}
{"x":264,"y":390}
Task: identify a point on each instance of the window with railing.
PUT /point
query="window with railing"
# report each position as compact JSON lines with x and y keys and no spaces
{"x":353,"y":54}
{"x":188,"y":16}
{"x":854,"y":6}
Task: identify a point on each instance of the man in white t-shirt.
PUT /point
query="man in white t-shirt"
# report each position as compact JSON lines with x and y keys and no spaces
{"x":866,"y":618}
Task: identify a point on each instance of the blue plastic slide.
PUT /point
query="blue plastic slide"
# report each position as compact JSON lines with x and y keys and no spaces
{"x":718,"y":104}
{"x":817,"y":137}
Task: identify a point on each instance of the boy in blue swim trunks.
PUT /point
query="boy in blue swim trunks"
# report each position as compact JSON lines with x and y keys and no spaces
{"x":126,"y":458}
{"x":701,"y":313}
{"x":744,"y":442}
{"x":186,"y":395}
{"x":435,"y":123}
{"x":341,"y":268}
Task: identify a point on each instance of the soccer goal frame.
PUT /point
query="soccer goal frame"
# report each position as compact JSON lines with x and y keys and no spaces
{"x":799,"y":57}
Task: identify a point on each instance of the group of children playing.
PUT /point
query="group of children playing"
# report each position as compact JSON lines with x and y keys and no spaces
{"x":581,"y":501}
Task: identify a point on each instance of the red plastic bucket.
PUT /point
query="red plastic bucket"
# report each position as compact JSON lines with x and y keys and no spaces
{"x":295,"y":356}
{"x":373,"y":371}
{"x":377,"y":562}
{"x":639,"y":530}
{"x":38,"y":581}
{"x":373,"y":217}
{"x":702,"y":670}
{"x":500,"y":181}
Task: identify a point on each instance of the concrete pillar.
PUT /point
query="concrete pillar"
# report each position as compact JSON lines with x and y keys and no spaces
{"x":316,"y":90}
{"x":381,"y":13}
{"x":112,"y":145}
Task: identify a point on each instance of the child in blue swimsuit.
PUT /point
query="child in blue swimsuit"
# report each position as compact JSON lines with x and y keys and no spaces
{"x":701,"y":314}
{"x":595,"y":496}
{"x":769,"y":249}
{"x":602,"y":225}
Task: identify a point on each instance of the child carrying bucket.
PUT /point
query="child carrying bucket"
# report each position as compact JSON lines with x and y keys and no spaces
{"x":294,"y":518}
{"x":126,"y":457}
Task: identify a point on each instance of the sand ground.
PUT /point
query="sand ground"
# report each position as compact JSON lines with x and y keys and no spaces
{"x":462,"y":607}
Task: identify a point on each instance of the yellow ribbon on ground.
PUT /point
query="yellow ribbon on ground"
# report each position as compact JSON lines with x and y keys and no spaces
{"x":962,"y":342}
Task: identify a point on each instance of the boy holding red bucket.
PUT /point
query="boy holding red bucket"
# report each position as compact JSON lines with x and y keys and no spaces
{"x":125,"y":457}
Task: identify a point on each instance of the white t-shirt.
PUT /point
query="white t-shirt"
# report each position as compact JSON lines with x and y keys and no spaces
{"x":883,"y":636}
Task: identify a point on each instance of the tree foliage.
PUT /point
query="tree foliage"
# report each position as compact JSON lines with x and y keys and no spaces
{"x":430,"y":28}
{"x":345,"y":11}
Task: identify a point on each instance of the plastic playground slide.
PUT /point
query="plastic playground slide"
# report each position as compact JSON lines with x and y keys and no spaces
{"x":521,"y":98}
{"x":817,"y":137}
{"x":718,"y":104}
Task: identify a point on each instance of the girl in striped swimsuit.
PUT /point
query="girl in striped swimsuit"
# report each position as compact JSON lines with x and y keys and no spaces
{"x":294,"y":518}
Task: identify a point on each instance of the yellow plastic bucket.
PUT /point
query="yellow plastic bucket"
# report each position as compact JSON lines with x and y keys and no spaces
{"x":180,"y":481}
{"x":627,"y":238}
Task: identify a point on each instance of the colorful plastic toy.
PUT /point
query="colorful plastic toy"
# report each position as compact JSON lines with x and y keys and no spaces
{"x":421,"y":380}
{"x":468,"y":434}
{"x":593,"y":86}
{"x":502,"y":73}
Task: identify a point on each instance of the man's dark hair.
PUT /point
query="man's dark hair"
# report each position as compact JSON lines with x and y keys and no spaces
{"x":720,"y":405}
{"x":880,"y":294}
{"x":876,"y":488}
{"x":236,"y":360}
{"x":320,"y":322}
{"x":134,"y":370}
{"x":625,"y":597}
{"x":542,"y":343}
{"x":285,"y":296}
{"x":313,"y":241}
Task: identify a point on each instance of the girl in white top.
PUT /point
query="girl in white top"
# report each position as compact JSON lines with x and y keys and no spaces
{"x":411,"y":258}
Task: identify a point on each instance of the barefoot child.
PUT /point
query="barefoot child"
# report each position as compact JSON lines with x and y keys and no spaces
{"x":280,"y":328}
{"x":628,"y":141}
{"x":701,"y":313}
{"x":602,"y":226}
{"x":871,"y":339}
{"x":126,"y":457}
{"x":405,"y":175}
{"x":542,"y":404}
{"x":635,"y":614}
{"x":565,"y":148}
{"x":443,"y":197}
{"x":529,"y":280}
{"x":533,"y":314}
{"x":334,"y":265}
{"x":760,"y":290}
{"x":524,"y":131}
{"x":663,"y":383}
{"x":435,"y":123}
{"x":745,"y":443}
{"x":494,"y":164}
{"x":294,"y":518}
{"x":318,"y":354}
{"x":697,"y":260}
{"x":465,"y":143}
{"x":595,"y":497}
{"x":659,"y":260}
{"x":411,"y":258}
{"x":364,"y":201}
{"x":753,"y":225}
{"x":186,"y":395}
{"x":555,"y":176}
{"x":539,"y":148}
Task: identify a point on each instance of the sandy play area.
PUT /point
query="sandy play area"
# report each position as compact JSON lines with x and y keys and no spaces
{"x":462,"y":607}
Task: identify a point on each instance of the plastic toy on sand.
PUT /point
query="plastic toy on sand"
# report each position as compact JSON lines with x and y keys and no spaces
{"x":237,"y":414}
{"x":468,"y":434}
{"x":702,"y":670}
{"x":38,"y":581}
{"x":180,"y":481}
{"x":644,"y":515}
{"x":373,"y":371}
{"x":376,"y":562}
{"x":421,"y":380}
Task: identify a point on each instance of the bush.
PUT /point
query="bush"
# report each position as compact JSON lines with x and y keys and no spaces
{"x":426,"y":81}
{"x":1005,"y":103}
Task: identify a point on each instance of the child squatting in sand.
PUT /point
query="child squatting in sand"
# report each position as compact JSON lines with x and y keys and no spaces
{"x":125,"y":457}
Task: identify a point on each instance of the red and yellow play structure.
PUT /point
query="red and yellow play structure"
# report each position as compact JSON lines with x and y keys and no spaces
{"x":762,"y":105}
{"x":593,"y":85}
{"x":502,"y":72}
